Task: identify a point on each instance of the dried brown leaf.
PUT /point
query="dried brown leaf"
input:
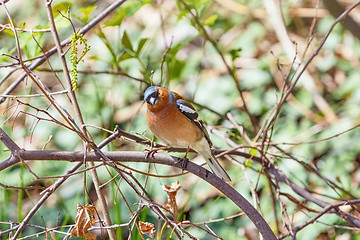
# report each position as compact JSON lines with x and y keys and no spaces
{"x":84,"y":219}
{"x":171,"y":191}
{"x":147,"y":229}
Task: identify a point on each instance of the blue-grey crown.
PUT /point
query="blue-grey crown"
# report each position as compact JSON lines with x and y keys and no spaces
{"x":149,"y":91}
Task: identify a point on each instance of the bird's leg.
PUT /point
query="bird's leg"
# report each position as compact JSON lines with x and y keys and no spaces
{"x":185,"y":160}
{"x":151,"y":153}
{"x":187,"y":151}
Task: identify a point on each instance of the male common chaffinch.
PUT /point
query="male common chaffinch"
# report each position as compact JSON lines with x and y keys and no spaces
{"x":175,"y":122}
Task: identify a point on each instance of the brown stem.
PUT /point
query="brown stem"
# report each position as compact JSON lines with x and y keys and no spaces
{"x":95,"y":178}
{"x":50,"y":190}
{"x":49,"y":53}
{"x":130,"y":156}
{"x":230,"y":69}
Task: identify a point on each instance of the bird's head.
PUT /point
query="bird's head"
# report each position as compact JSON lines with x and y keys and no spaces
{"x":156,"y":98}
{"x":152,"y":95}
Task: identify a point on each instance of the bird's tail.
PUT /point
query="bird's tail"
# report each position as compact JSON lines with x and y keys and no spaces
{"x":217,"y":169}
{"x":204,"y":150}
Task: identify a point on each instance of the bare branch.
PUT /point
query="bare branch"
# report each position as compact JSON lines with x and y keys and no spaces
{"x":230,"y":68}
{"x":83,"y":30}
{"x":321,"y":213}
{"x":288,"y":46}
{"x":50,"y":190}
{"x":34,"y":95}
{"x":6,"y":26}
{"x":315,"y":53}
{"x":8,"y":141}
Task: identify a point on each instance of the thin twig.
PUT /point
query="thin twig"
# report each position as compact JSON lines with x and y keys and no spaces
{"x":47,"y":194}
{"x":83,"y":30}
{"x":34,"y":95}
{"x":230,"y":69}
{"x":76,"y":107}
{"x":6,"y":26}
{"x":91,"y":71}
{"x":320,"y":214}
{"x":303,"y":192}
{"x":315,"y":53}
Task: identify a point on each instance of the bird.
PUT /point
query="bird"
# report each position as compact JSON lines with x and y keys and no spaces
{"x":175,"y":122}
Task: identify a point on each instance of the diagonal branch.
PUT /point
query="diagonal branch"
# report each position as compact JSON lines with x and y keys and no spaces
{"x":230,"y":68}
{"x":49,"y":53}
{"x":8,"y":141}
{"x":280,"y":29}
{"x":304,"y":66}
{"x":50,"y":190}
{"x":130,"y":156}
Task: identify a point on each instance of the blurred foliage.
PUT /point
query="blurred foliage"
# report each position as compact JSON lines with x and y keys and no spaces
{"x":161,"y":36}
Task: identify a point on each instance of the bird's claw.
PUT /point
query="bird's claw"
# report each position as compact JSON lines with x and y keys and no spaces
{"x":183,"y":162}
{"x":150,"y":153}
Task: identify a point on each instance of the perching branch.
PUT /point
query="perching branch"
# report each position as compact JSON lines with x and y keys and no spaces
{"x":219,"y":184}
{"x":15,"y":158}
{"x":272,"y":156}
{"x":130,"y":156}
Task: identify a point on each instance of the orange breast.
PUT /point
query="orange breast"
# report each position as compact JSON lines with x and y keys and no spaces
{"x":172,"y":127}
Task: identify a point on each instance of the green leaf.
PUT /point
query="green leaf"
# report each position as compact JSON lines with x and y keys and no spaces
{"x":86,"y":11}
{"x":235,"y":53}
{"x":126,"y":42}
{"x":125,"y":56}
{"x":196,"y":4}
{"x":248,"y":163}
{"x":210,"y":20}
{"x":129,"y":9}
{"x":116,"y":20}
{"x":9,"y":32}
{"x":141,"y":45}
{"x":175,"y":68}
{"x":63,"y":7}
{"x":253,"y":151}
{"x":175,"y":48}
{"x":93,"y":57}
{"x":133,"y":6}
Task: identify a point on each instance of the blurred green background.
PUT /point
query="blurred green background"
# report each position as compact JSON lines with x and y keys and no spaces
{"x":142,"y":37}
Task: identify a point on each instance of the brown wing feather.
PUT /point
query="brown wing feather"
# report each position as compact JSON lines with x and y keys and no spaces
{"x":189,"y":111}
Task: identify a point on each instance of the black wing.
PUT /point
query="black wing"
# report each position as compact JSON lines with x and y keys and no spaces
{"x":189,"y":111}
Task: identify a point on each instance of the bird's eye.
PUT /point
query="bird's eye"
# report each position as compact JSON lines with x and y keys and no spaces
{"x":154,"y":98}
